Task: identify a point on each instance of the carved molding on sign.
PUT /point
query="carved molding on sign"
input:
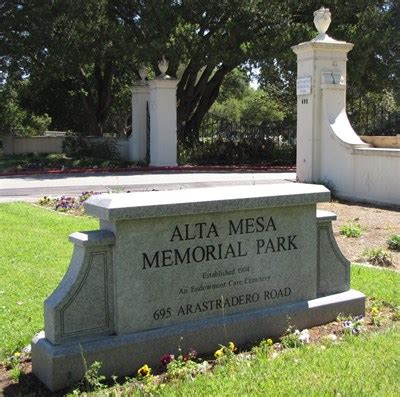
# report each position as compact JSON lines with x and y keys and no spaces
{"x":333,"y":269}
{"x":90,"y":299}
{"x":83,"y":303}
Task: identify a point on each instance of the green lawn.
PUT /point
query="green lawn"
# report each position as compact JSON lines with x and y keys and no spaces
{"x":35,"y":253}
{"x":362,"y":366}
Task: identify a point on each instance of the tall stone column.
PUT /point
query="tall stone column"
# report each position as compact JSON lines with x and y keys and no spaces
{"x":163,"y":140}
{"x":321,"y":71}
{"x":137,"y":144}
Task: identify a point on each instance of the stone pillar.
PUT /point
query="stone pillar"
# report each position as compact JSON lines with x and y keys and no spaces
{"x":163,"y":141}
{"x":321,"y":70}
{"x":137,"y":146}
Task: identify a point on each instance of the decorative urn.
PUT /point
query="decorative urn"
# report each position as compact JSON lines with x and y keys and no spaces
{"x":143,"y":74}
{"x":322,"y":20}
{"x":163,"y":66}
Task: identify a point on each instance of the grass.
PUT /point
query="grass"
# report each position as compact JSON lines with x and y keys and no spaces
{"x":35,"y":258}
{"x":379,"y":284}
{"x":362,"y":366}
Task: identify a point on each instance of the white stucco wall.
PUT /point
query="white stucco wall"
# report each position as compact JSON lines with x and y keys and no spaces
{"x":328,"y":149}
{"x":355,"y":170}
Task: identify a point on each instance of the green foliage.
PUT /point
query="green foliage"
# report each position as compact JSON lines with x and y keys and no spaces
{"x":255,"y":107}
{"x":15,"y":373}
{"x":251,"y":150}
{"x":92,"y":379}
{"x":290,"y":341}
{"x":376,"y":317}
{"x":181,"y":369}
{"x":378,"y":257}
{"x":81,"y":57}
{"x":240,"y":103}
{"x":263,"y":348}
{"x":294,"y":338}
{"x":16,"y":120}
{"x":56,"y":161}
{"x":372,"y":25}
{"x":79,"y":147}
{"x":351,"y":230}
{"x":394,"y":242}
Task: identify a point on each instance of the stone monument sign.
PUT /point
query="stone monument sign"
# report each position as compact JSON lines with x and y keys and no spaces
{"x":194,"y":268}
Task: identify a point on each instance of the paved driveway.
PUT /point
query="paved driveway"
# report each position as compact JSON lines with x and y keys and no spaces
{"x":32,"y":187}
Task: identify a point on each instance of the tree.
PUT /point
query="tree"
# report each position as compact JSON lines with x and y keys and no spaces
{"x":92,"y":44}
{"x":240,"y":103}
{"x":14,"y":119}
{"x":82,"y":44}
{"x":93,"y":48}
{"x":372,"y":25}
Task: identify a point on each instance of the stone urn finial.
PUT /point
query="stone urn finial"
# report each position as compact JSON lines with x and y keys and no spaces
{"x":163,"y":66}
{"x":322,"y":20}
{"x":143,"y":74}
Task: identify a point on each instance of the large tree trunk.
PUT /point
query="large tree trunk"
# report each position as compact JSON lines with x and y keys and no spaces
{"x":97,"y":102}
{"x":196,"y":94}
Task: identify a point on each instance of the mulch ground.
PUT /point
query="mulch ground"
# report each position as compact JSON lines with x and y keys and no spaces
{"x":377,"y":223}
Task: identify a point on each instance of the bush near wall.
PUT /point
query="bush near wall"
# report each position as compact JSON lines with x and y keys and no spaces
{"x":241,"y":152}
{"x":79,"y":147}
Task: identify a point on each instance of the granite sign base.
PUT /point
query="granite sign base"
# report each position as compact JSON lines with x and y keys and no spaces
{"x":123,"y":354}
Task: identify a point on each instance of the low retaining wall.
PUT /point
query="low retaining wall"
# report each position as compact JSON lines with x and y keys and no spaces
{"x":50,"y":144}
{"x":32,"y":144}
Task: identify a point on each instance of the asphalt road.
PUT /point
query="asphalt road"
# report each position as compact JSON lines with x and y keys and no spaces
{"x":32,"y":187}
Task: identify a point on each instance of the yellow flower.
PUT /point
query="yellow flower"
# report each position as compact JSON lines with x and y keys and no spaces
{"x":144,"y":371}
{"x":269,"y":342}
{"x":17,"y":354}
{"x":231,"y":346}
{"x":219,"y":353}
{"x":374,"y":311}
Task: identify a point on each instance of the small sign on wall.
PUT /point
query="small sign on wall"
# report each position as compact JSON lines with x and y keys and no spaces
{"x":303,"y":86}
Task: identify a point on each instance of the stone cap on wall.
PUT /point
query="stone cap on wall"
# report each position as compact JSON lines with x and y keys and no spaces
{"x":118,"y":206}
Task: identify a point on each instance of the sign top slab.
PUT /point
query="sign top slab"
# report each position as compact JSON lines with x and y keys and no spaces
{"x":119,"y":206}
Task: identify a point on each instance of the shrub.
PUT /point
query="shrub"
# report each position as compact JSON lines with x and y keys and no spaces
{"x":351,"y":230}
{"x":74,"y":145}
{"x":378,"y":257}
{"x":394,"y":242}
{"x":78,"y":146}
